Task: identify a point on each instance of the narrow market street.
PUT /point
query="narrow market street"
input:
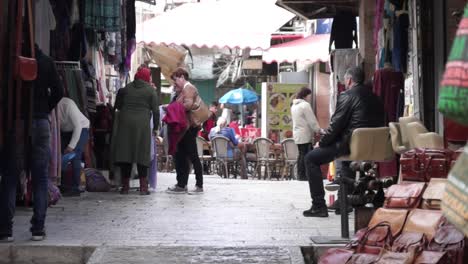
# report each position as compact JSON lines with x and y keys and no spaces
{"x":232,"y":213}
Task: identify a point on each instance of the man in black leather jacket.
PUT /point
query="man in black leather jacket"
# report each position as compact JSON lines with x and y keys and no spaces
{"x":356,"y":107}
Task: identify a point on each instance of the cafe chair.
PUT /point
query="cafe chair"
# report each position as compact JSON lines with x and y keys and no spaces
{"x":291,"y":153}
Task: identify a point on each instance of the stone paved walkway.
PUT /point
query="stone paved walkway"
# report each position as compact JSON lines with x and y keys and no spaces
{"x":231,"y":213}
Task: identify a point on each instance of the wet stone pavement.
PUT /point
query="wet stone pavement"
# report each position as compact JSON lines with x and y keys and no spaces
{"x":230,"y":222}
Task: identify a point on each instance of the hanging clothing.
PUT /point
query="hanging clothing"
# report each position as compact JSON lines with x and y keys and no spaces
{"x":400,"y":43}
{"x":60,"y":39}
{"x":55,"y":163}
{"x":102,"y":15}
{"x":47,"y":21}
{"x":344,"y":31}
{"x":389,"y":86}
{"x":131,"y":19}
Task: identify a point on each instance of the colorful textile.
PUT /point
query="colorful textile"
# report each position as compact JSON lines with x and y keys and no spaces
{"x":102,"y":15}
{"x":453,"y":97}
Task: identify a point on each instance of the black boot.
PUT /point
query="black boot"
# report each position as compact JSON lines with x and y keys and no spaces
{"x":316,"y":211}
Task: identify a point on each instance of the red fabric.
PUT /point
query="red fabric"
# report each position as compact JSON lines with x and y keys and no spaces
{"x":235,"y":125}
{"x":207,"y":126}
{"x":176,"y":121}
{"x":387,"y":85}
{"x":454,"y":131}
{"x":143,"y":74}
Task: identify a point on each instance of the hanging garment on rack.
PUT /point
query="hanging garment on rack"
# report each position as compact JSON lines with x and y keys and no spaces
{"x":131,"y":19}
{"x":389,"y":85}
{"x":102,"y":15}
{"x":344,"y":31}
{"x":55,"y":149}
{"x":46,"y":20}
{"x":60,"y":37}
{"x":400,"y":43}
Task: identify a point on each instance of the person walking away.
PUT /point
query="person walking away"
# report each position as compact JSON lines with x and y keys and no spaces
{"x":186,"y":150}
{"x":136,"y":103}
{"x":222,"y":129}
{"x":47,"y":93}
{"x":305,"y":126}
{"x":356,"y":107}
{"x":75,"y":133}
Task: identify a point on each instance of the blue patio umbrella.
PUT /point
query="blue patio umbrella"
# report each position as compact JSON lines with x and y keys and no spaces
{"x":239,"y":96}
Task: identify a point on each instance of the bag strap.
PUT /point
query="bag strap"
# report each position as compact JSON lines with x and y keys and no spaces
{"x":366,"y":235}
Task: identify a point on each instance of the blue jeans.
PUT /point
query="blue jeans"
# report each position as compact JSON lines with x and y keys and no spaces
{"x":40,"y":157}
{"x":76,"y":162}
{"x":313,"y":160}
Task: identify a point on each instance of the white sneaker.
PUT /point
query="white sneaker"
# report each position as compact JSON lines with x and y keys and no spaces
{"x":177,"y":189}
{"x":197,"y":190}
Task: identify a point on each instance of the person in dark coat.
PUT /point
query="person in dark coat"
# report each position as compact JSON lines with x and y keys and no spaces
{"x":136,"y":103}
{"x":48,"y":91}
{"x":356,"y":107}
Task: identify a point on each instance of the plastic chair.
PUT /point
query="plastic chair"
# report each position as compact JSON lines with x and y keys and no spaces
{"x":291,"y":153}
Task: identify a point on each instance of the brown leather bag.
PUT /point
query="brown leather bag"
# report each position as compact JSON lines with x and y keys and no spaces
{"x":448,"y":239}
{"x":335,"y":256}
{"x":388,"y":257}
{"x":395,"y":217}
{"x":424,"y":221}
{"x":404,"y":195}
{"x":362,"y":258}
{"x":431,"y":257}
{"x":432,"y":196}
{"x":423,"y":164}
{"x":200,"y":113}
{"x":408,"y":241}
{"x":374,"y":239}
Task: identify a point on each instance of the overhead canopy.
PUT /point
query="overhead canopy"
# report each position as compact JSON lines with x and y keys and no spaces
{"x":314,"y":9}
{"x":225,"y":23}
{"x":309,"y":50}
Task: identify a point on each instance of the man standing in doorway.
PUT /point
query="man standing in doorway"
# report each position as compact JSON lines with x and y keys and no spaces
{"x":356,"y":107}
{"x":186,"y":151}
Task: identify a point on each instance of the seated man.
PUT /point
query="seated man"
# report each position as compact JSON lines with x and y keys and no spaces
{"x":75,"y":132}
{"x":356,"y":107}
{"x":221,"y":129}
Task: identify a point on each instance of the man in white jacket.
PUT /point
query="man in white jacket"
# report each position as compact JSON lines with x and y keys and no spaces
{"x":75,"y":133}
{"x":305,"y":126}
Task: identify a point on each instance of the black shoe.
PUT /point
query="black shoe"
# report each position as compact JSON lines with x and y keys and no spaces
{"x":38,"y":235}
{"x":316,"y":212}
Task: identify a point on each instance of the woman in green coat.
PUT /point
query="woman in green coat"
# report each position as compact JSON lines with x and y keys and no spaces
{"x":136,"y":104}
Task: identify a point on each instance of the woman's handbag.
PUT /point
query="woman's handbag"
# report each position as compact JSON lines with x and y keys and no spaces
{"x":448,"y":239}
{"x":432,"y":197}
{"x":454,"y":205}
{"x":200,"y":113}
{"x":453,"y":96}
{"x":425,"y":164}
{"x":404,"y":195}
{"x":335,"y":256}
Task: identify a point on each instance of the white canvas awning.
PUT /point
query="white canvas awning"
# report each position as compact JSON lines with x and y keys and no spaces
{"x":225,"y":23}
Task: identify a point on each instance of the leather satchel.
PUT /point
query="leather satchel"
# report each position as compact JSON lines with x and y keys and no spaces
{"x":431,"y":257}
{"x":395,"y":217}
{"x":424,"y":221}
{"x":388,"y":257}
{"x":362,"y":258}
{"x":409,"y":241}
{"x":404,"y":195}
{"x":432,"y":196}
{"x":200,"y":113}
{"x":375,"y":239}
{"x":423,"y":164}
{"x":448,"y":239}
{"x":335,"y":256}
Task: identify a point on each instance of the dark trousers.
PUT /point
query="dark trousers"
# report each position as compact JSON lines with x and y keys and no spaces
{"x":126,"y":170}
{"x":187,"y":153}
{"x":313,"y":160}
{"x":76,"y":162}
{"x":40,"y":157}
{"x":301,"y":171}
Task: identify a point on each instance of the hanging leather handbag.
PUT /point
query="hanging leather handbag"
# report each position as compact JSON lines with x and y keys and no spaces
{"x":408,"y":241}
{"x":395,"y":217}
{"x":423,"y":164}
{"x":431,"y":257}
{"x":432,"y":196}
{"x":450,"y":240}
{"x":335,"y":256}
{"x":200,"y":113}
{"x":404,"y":195}
{"x":424,"y":221}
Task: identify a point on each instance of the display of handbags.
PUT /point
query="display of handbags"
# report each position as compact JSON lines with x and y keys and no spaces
{"x":404,"y":195}
{"x":424,"y":164}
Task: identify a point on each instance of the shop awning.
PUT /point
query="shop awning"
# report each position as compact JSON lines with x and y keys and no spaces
{"x":225,"y":23}
{"x":309,"y":50}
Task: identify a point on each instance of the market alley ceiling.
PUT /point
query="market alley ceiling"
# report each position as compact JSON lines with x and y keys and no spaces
{"x":314,"y":9}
